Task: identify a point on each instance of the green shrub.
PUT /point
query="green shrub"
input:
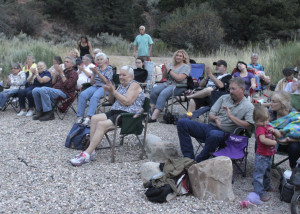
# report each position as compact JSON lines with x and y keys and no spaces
{"x":194,"y":28}
{"x":16,"y":18}
{"x":285,"y":55}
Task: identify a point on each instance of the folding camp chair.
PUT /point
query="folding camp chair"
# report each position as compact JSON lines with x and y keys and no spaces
{"x":130,"y":125}
{"x":13,"y":101}
{"x":275,"y":165}
{"x":197,"y":72}
{"x":237,"y":150}
{"x":61,"y":105}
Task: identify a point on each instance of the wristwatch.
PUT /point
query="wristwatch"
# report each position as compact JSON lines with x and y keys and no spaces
{"x":63,"y":75}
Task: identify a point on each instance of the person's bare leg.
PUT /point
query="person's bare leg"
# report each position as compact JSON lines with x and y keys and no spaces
{"x":102,"y":127}
{"x":199,"y":94}
{"x":192,"y":105}
{"x":155,"y":114}
{"x":95,"y":119}
{"x":206,"y":92}
{"x":152,"y":106}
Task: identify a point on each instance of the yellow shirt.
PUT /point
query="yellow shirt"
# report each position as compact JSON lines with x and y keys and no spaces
{"x":27,"y":69}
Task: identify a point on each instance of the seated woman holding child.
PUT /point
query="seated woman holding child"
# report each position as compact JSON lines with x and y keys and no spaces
{"x":259,"y":72}
{"x":281,"y":107}
{"x":15,"y":81}
{"x":128,"y":98}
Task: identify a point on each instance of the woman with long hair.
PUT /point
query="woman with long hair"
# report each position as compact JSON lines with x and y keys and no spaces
{"x":176,"y":73}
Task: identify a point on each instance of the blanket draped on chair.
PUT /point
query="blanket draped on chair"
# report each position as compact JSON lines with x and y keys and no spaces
{"x":289,"y":124}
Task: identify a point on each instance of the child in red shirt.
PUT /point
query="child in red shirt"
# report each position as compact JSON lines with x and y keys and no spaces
{"x":265,"y":150}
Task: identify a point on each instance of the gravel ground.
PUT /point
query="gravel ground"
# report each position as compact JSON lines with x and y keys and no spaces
{"x":36,"y":177}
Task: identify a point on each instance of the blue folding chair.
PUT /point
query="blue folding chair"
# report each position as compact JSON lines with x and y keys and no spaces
{"x":197,"y":71}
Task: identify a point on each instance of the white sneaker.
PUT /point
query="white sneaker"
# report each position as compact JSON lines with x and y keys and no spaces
{"x":79,"y":120}
{"x":80,"y":159}
{"x":15,"y":100}
{"x":86,"y":121}
{"x":22,"y":113}
{"x":29,"y":113}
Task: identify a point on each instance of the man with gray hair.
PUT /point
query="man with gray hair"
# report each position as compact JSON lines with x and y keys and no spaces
{"x":142,"y":44}
{"x":64,"y":87}
{"x":229,"y":112}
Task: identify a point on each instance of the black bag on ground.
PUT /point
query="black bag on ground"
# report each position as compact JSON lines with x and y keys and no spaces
{"x":158,"y":195}
{"x":286,"y":190}
{"x":78,"y":137}
{"x":170,"y":118}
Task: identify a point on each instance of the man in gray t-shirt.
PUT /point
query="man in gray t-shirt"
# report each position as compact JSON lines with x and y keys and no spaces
{"x":229,"y":112}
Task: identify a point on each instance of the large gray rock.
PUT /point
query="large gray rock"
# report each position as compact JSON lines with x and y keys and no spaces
{"x":159,"y":151}
{"x":213,"y":178}
{"x":148,"y":170}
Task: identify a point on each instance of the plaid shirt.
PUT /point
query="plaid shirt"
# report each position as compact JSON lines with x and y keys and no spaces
{"x":69,"y":86}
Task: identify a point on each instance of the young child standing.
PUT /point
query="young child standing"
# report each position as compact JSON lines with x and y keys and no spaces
{"x":265,"y":150}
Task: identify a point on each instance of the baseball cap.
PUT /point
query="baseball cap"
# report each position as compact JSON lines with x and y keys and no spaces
{"x":220,"y":62}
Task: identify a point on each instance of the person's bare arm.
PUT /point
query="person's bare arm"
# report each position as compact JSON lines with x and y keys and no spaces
{"x":134,"y":50}
{"x":177,"y":77}
{"x":212,"y":117}
{"x":237,"y":121}
{"x":91,"y":49}
{"x":150,"y":50}
{"x":130,"y":96}
{"x":217,"y":82}
{"x":267,"y":141}
{"x":42,"y":80}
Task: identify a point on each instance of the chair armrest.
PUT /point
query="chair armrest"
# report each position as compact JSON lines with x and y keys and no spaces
{"x":127,"y":114}
{"x":181,"y":86}
{"x":159,"y":82}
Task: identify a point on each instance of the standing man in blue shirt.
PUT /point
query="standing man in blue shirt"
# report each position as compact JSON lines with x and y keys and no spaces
{"x":142,"y":44}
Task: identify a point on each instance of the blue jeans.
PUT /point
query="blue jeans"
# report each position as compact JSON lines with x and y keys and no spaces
{"x":161,"y":93}
{"x":26,"y":93}
{"x":93,"y":94}
{"x":5,"y":95}
{"x":261,"y":174}
{"x":212,"y":136}
{"x":43,"y":96}
{"x":257,"y":80}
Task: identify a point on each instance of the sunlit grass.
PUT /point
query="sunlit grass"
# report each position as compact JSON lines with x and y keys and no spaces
{"x":274,"y":59}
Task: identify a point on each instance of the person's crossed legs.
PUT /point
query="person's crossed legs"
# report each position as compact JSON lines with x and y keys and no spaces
{"x":212,"y":136}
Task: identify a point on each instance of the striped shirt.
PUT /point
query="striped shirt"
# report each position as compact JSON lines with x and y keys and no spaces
{"x":107,"y":73}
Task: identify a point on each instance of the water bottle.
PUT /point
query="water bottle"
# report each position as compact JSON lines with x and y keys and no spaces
{"x":148,"y":87}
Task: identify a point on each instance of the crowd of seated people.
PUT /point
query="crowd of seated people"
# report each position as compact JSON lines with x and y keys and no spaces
{"x":40,"y":87}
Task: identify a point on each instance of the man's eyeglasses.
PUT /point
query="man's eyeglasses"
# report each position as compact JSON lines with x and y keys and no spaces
{"x":14,"y":68}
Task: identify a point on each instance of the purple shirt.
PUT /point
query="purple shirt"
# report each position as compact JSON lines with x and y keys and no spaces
{"x":247,"y":79}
